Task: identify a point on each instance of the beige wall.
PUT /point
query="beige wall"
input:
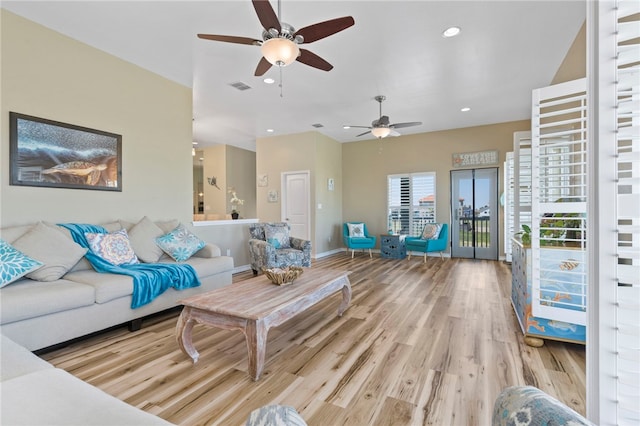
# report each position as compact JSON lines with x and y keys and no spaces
{"x":366,"y":165}
{"x":48,"y":75}
{"x":214,"y":165}
{"x":321,"y":156}
{"x":241,"y":175}
{"x":574,"y":65}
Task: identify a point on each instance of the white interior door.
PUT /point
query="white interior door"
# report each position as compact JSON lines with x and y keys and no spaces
{"x":295,"y":203}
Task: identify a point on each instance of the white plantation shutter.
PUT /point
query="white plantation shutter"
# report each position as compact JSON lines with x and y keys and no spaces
{"x":613,"y":342}
{"x":411,"y":202}
{"x":509,"y":227}
{"x":523,"y":187}
{"x":559,"y":200}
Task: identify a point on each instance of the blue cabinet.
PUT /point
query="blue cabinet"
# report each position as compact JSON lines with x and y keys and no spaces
{"x":392,"y":247}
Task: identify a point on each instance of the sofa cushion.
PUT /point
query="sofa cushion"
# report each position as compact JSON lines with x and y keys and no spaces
{"x":17,"y":361}
{"x":12,"y":233}
{"x":107,"y":286}
{"x":180,"y":243}
{"x":113,"y":247}
{"x":14,"y":264}
{"x":210,"y":266}
{"x":55,"y":397}
{"x":277,"y":235}
{"x":143,"y":240}
{"x":58,"y":252}
{"x":29,"y":299}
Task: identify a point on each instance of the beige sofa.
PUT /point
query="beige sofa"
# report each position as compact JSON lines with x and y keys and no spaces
{"x":33,"y":392}
{"x":37,"y":314}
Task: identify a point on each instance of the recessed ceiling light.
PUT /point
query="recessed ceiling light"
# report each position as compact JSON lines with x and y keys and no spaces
{"x":451,"y":32}
{"x":269,"y":80}
{"x":346,"y":127}
{"x":465,"y":109}
{"x":270,"y":130}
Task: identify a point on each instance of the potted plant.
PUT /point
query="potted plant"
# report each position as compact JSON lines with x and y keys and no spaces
{"x":525,"y":235}
{"x":235,"y":202}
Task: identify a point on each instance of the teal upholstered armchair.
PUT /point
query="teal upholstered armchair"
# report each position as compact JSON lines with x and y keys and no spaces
{"x":434,"y":238}
{"x":356,"y":237}
{"x":270,"y":246}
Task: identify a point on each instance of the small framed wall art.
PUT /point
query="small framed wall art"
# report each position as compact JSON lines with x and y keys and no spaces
{"x":49,"y":153}
{"x":263,"y":180}
{"x":272,"y":196}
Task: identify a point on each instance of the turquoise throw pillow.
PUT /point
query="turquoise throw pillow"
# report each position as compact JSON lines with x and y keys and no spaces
{"x":279,"y":233}
{"x":14,"y":264}
{"x":274,"y":242}
{"x":180,"y":243}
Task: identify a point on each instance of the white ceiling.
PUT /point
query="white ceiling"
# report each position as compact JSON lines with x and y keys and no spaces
{"x":395,"y":48}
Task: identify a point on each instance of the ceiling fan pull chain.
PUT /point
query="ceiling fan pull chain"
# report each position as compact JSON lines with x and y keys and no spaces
{"x":280,"y":85}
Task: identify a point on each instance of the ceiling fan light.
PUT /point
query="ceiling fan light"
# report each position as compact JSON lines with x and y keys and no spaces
{"x":380,"y":132}
{"x":280,"y":51}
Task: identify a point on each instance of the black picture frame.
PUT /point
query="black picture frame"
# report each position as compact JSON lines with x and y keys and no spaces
{"x":52,"y":154}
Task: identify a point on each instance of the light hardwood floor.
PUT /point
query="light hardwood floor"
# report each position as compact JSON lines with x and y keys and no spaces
{"x":420,"y":345}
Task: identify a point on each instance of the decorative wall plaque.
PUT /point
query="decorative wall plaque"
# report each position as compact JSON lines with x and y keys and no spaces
{"x":473,"y":159}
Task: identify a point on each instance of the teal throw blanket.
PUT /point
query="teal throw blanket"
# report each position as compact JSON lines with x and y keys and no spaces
{"x":149,"y":279}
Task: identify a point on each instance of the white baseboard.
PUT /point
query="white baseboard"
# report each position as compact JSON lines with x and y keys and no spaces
{"x":241,"y":269}
{"x":328,"y":253}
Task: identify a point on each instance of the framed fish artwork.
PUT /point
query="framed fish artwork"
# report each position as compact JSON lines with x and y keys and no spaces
{"x":49,"y":153}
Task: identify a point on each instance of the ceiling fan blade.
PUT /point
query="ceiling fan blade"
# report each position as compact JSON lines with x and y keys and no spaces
{"x":362,"y":134}
{"x":324,"y":29}
{"x":401,"y":125}
{"x":394,"y":133}
{"x":313,"y":60}
{"x":263,"y":66}
{"x":360,"y":127}
{"x":266,"y":14}
{"x":230,"y":39}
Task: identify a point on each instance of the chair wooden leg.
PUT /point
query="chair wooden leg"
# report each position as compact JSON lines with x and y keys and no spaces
{"x":352,"y":253}
{"x":370,"y":255}
{"x":441,"y":256}
{"x":425,"y":257}
{"x":409,"y":257}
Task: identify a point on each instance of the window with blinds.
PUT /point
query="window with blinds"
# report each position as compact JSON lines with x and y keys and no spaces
{"x":559,"y":202}
{"x":411,"y":202}
{"x":613,"y":390}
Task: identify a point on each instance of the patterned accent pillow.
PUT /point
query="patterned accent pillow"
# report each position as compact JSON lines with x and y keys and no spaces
{"x":14,"y":264}
{"x":356,"y":230}
{"x":277,"y":235}
{"x":180,"y":243}
{"x":113,"y":247}
{"x":431,"y":231}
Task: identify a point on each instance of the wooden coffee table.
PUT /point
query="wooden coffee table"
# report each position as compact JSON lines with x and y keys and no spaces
{"x":255,"y":305}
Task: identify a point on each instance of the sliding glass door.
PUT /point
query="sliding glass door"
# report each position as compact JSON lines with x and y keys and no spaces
{"x":474,"y":207}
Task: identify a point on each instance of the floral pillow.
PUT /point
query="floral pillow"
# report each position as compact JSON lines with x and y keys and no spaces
{"x":431,"y":231}
{"x":356,"y":230}
{"x":180,"y":243}
{"x":14,"y":264}
{"x":277,"y":235}
{"x":113,"y":247}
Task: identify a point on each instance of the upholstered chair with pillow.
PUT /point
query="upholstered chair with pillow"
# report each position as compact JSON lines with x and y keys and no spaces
{"x":356,"y":237}
{"x":434,"y":238}
{"x":271,"y":246}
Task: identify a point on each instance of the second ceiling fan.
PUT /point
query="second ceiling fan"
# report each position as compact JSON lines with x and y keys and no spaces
{"x":381,"y":128}
{"x":280,"y":40}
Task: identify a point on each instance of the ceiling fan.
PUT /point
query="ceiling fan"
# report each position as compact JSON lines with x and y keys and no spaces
{"x":280,"y":40}
{"x":381,"y":128}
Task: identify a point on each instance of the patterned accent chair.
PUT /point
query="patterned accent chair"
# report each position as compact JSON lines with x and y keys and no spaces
{"x":431,"y":240}
{"x":270,"y":246}
{"x":529,"y":406}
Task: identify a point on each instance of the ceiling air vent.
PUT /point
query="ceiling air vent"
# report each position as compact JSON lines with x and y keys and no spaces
{"x":317,"y":125}
{"x":240,"y":85}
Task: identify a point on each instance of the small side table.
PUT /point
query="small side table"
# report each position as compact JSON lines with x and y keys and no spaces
{"x":392,"y":247}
